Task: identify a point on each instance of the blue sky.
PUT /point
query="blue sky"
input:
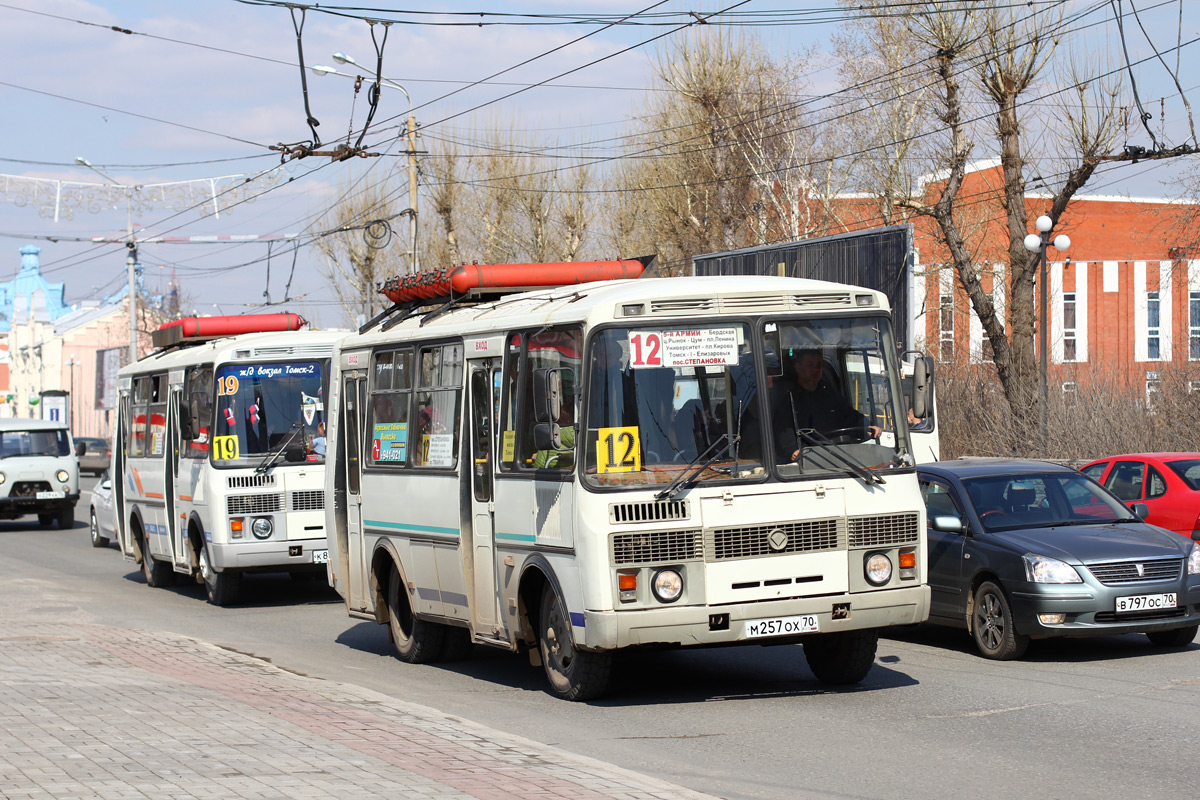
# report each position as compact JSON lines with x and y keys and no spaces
{"x":201,"y":89}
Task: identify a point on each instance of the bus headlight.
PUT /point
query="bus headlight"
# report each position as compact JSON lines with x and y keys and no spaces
{"x":262,"y":527}
{"x":63,"y":476}
{"x":3,"y":477}
{"x":667,"y":585}
{"x":878,"y":569}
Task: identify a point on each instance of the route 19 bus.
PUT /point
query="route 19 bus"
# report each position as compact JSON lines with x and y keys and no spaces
{"x":579,"y":470}
{"x":219,"y":460}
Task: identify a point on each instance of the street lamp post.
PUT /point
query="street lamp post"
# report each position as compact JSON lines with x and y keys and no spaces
{"x":1037,"y":243}
{"x":411,"y":128}
{"x":131,"y":256}
{"x":71,"y":394}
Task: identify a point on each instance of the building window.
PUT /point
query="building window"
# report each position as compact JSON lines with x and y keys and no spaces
{"x":1153,"y":327}
{"x":946,"y":326}
{"x":1153,"y":389}
{"x":1193,"y":326}
{"x":1069,"y":350}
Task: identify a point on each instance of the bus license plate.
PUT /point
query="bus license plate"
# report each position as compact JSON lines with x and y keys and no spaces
{"x":50,"y":495}
{"x":1145,"y":602}
{"x":781,"y":626}
{"x":320,"y":556}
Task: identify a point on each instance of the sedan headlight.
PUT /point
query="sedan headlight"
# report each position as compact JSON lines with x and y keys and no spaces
{"x":1194,"y":560}
{"x":1040,"y":569}
{"x":63,"y":476}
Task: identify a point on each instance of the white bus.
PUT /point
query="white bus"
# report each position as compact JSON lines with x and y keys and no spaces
{"x":574,"y":471}
{"x":218,"y":460}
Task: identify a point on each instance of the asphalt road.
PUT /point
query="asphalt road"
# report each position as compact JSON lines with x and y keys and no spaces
{"x":932,"y":720}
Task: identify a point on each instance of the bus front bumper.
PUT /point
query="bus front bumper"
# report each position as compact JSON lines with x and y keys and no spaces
{"x":714,"y":625}
{"x":293,"y":555}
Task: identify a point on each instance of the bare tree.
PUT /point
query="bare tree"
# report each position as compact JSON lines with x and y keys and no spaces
{"x":971,"y":49}
{"x":358,"y":247}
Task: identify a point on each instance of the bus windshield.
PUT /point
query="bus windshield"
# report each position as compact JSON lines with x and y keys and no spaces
{"x":261,"y":408}
{"x":666,"y":402}
{"x":689,"y":404}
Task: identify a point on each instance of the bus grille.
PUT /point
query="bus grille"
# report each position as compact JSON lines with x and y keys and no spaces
{"x":762,"y":540}
{"x":657,"y":546}
{"x":253,"y":503}
{"x":884,"y":530}
{"x":648,"y":512}
{"x":250,"y":481}
{"x":313,"y":500}
{"x":1116,"y":573}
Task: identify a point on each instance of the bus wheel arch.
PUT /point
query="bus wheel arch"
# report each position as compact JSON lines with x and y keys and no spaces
{"x":417,"y":641}
{"x":157,"y":573}
{"x":196,"y":545}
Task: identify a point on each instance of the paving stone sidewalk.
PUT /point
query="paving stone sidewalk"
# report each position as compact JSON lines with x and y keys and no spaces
{"x":91,"y":711}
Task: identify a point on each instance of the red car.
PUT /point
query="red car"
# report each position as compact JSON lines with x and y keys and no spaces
{"x":1168,"y":483}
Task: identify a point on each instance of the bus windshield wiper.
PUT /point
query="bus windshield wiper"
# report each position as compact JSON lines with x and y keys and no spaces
{"x":816,"y":438}
{"x":689,"y":473}
{"x":274,"y":455}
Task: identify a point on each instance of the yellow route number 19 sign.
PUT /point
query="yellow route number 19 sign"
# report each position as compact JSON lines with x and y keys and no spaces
{"x":225,"y":448}
{"x":619,"y":450}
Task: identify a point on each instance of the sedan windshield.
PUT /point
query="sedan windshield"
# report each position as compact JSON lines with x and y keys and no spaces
{"x":264,"y":407}
{"x":1042,"y":501}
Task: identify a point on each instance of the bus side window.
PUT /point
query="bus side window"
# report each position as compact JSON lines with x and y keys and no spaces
{"x":389,"y":433}
{"x":438,"y":406}
{"x":507,"y":446}
{"x":560,"y":349}
{"x":198,"y":394}
{"x":138,"y":408}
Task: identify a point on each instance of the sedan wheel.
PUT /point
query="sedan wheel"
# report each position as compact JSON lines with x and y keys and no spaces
{"x":992,"y":625}
{"x":98,"y":540}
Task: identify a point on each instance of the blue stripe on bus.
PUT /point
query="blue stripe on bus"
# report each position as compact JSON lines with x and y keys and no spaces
{"x":404,"y":526}
{"x":576,"y":619}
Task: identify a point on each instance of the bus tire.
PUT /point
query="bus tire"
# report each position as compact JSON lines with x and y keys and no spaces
{"x":840,"y":659}
{"x":66,"y":518}
{"x":98,"y":539}
{"x":157,"y":573}
{"x":416,"y":641}
{"x":222,"y":588}
{"x":574,"y":675}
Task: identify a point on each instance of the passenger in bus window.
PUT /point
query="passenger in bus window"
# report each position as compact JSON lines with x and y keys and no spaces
{"x":318,"y":441}
{"x":814,"y":403}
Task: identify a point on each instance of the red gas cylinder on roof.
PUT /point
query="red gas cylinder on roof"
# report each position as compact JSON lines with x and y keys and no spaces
{"x":176,"y":331}
{"x":445,"y":283}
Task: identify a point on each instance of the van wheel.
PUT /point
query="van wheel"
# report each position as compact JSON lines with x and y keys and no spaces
{"x":841,"y":659}
{"x":417,"y":641}
{"x":66,"y":519}
{"x":573,"y":674}
{"x":45,"y":520}
{"x":223,"y":588}
{"x":157,"y":573}
{"x":97,"y":539}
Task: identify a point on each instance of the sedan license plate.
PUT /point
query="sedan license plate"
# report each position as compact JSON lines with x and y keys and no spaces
{"x":320,"y":556}
{"x":781,"y":626}
{"x":50,"y":495}
{"x":1145,"y":602}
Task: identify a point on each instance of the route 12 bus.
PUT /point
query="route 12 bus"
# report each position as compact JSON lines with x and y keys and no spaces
{"x":219,"y":454}
{"x":580,"y":470}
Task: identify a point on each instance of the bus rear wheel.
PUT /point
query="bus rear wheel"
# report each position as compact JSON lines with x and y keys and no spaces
{"x":417,"y":641}
{"x":222,"y":587}
{"x":573,"y":674}
{"x":157,"y":573}
{"x":842,"y":658}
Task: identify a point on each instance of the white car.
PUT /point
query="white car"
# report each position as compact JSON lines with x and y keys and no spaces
{"x":103,"y":521}
{"x":39,"y":471}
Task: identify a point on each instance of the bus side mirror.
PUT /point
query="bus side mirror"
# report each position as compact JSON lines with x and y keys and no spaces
{"x":185,"y":423}
{"x":80,"y":449}
{"x":547,"y":436}
{"x":922,"y":395}
{"x":547,"y":395}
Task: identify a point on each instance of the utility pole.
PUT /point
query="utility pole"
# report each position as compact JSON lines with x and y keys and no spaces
{"x":412,"y":188}
{"x":131,"y":266}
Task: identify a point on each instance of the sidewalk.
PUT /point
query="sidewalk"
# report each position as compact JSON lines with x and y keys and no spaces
{"x":89,"y":711}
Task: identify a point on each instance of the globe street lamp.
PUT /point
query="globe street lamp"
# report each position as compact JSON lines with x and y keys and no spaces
{"x":411,"y":129}
{"x":1037,"y":243}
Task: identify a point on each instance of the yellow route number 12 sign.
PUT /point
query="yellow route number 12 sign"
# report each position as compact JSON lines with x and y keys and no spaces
{"x":619,"y":450}
{"x":225,"y":448}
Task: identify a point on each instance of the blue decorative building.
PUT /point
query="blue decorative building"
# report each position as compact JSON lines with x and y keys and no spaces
{"x":30,"y":294}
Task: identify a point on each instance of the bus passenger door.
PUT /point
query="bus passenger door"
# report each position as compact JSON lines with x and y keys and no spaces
{"x":480,"y":565}
{"x":353,"y":406}
{"x":176,"y":528}
{"x":120,"y":478}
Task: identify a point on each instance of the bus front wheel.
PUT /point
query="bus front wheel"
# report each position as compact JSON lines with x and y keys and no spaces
{"x":842,"y":658}
{"x":417,"y":641}
{"x":222,"y":587}
{"x":573,"y":674}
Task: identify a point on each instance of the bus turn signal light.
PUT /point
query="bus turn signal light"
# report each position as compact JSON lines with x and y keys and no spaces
{"x":627,"y":583}
{"x":908,"y":563}
{"x":235,"y":527}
